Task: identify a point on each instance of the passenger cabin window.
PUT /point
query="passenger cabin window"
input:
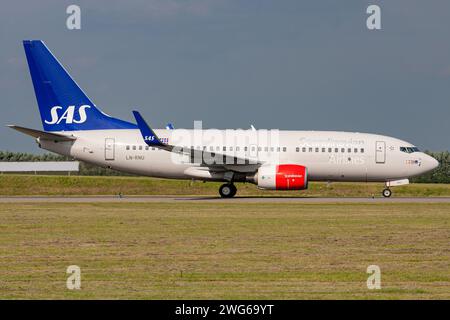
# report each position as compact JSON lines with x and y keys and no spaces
{"x":336,"y":150}
{"x":284,"y":149}
{"x":330,"y":150}
{"x":134,"y":147}
{"x":317,"y":149}
{"x":323,"y":149}
{"x":303,"y":149}
{"x":355,"y":150}
{"x":128,"y":148}
{"x":297,"y":149}
{"x":362,"y":150}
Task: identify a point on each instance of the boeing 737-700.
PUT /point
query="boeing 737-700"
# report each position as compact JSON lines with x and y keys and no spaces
{"x":271,"y":159}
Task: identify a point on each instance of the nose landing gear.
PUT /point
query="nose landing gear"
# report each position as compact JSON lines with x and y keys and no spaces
{"x":227,"y":190}
{"x":387,"y":193}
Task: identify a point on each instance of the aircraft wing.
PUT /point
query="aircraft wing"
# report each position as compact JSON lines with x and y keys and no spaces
{"x":42,"y":134}
{"x":231,"y":163}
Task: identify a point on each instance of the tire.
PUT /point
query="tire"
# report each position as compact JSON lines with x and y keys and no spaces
{"x":386,"y":193}
{"x":227,"y":190}
{"x":234,"y":190}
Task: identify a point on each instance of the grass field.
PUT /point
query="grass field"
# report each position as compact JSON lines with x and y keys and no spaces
{"x":15,"y":185}
{"x":216,"y":250}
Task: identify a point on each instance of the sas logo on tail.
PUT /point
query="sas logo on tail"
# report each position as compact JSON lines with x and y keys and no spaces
{"x":68,"y":116}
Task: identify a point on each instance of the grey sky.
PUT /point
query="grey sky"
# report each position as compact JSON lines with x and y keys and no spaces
{"x":309,"y":65}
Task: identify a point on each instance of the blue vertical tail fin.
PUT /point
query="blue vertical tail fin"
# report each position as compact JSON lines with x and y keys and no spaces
{"x":62,"y":104}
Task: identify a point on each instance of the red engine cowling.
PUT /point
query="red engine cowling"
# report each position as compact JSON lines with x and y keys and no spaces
{"x":283,"y":177}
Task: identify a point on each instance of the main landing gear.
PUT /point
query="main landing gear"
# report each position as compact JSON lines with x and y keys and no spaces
{"x":227,"y":190}
{"x":387,"y":193}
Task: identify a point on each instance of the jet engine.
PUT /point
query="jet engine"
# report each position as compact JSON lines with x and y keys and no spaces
{"x":282,"y":177}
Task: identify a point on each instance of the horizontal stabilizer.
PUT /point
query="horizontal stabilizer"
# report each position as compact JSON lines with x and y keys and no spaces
{"x":43,"y":135}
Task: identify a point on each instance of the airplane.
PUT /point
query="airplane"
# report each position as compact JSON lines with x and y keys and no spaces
{"x":271,"y":159}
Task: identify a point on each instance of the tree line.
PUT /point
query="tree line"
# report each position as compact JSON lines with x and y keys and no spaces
{"x":86,"y":169}
{"x":439,"y":175}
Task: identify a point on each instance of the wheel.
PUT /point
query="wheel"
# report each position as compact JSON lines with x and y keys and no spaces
{"x":387,"y":193}
{"x":227,"y":190}
{"x":234,"y":189}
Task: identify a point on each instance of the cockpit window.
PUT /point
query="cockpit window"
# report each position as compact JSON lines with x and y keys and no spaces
{"x":409,"y":149}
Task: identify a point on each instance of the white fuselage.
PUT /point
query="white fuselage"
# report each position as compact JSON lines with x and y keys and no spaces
{"x":328,"y":155}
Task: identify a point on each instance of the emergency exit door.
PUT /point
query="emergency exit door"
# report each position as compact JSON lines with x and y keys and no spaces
{"x":380,"y":152}
{"x":109,"y":148}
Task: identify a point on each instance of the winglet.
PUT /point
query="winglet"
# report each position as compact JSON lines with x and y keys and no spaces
{"x":170,"y":126}
{"x":150,"y":138}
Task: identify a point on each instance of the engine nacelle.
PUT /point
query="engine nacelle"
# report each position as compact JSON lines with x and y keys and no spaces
{"x":282,"y":177}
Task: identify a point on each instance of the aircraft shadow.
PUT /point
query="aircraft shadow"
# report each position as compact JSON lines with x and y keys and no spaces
{"x":246,"y":197}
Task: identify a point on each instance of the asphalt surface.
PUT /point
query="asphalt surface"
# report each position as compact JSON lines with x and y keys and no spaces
{"x":211,"y":199}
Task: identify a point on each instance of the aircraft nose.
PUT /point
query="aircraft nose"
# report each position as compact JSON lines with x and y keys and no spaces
{"x":431,"y":163}
{"x":434,"y":163}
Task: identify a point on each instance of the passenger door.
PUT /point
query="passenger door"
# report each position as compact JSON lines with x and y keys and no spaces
{"x":380,"y":152}
{"x":109,"y":148}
